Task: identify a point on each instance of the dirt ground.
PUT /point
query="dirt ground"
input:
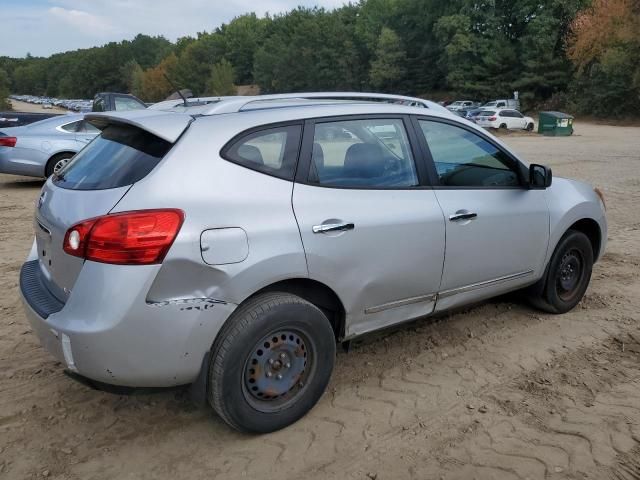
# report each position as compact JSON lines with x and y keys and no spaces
{"x":19,"y":106}
{"x":498,"y":391}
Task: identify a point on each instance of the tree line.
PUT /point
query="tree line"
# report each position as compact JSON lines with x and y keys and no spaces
{"x":582,"y":55}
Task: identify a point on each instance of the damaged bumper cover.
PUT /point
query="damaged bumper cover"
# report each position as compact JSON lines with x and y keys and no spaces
{"x":111,"y":334}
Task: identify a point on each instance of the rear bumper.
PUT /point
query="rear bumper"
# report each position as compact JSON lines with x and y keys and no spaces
{"x":107,"y":332}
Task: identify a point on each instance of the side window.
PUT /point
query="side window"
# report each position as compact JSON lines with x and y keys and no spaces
{"x":362,"y":153}
{"x":86,"y":127}
{"x":70,"y":127}
{"x":98,"y":105}
{"x":273,"y":151}
{"x":124,"y":104}
{"x":464,"y":159}
{"x":516,"y":114}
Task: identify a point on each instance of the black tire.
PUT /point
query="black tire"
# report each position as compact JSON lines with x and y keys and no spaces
{"x":503,"y":126}
{"x":271,"y":335}
{"x":567,"y":276}
{"x":53,"y":161}
{"x":530,"y":127}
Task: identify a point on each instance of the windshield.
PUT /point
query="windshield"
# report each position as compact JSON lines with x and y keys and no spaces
{"x":490,"y":104}
{"x":121,"y":155}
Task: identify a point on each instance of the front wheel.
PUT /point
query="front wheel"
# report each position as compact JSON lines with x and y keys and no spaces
{"x":530,"y":127}
{"x":271,"y":363}
{"x":567,"y":276}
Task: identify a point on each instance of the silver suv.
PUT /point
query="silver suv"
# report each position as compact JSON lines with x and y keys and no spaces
{"x":231,"y":244}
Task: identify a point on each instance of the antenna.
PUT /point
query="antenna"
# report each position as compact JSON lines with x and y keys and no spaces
{"x":184,"y":100}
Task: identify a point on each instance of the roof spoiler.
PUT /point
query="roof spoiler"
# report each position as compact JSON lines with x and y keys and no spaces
{"x":165,"y":125}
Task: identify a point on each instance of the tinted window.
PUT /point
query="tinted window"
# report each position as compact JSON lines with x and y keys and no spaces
{"x":119,"y":156}
{"x":98,"y":105}
{"x":362,"y":153}
{"x":464,"y":159}
{"x":273,"y":151}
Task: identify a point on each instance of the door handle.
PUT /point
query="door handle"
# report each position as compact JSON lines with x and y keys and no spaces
{"x":462,"y":215}
{"x":333,"y":227}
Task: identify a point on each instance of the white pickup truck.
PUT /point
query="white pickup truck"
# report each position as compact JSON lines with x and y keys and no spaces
{"x":511,"y":103}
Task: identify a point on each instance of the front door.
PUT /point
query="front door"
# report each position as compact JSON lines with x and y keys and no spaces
{"x":497,"y":230}
{"x":371,"y":231}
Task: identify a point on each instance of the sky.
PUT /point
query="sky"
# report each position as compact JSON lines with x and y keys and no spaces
{"x":43,"y":27}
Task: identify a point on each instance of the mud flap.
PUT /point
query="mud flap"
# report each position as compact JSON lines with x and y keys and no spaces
{"x":198,"y":389}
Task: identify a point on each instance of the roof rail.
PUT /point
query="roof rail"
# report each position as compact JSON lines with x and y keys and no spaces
{"x":238,"y":104}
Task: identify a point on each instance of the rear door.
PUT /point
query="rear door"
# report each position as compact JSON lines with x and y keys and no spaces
{"x":497,"y":230}
{"x":372,"y":231}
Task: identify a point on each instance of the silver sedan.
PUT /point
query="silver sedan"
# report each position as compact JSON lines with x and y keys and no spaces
{"x":42,"y":148}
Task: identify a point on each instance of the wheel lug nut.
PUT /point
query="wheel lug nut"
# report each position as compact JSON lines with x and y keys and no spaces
{"x":271,"y":361}
{"x":283,"y":356}
{"x":279,"y":377}
{"x":269,"y":374}
{"x":287,"y":365}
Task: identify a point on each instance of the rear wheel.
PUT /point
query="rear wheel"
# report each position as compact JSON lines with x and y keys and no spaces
{"x":503,"y":126}
{"x":271,"y":363}
{"x":56,"y":163}
{"x":567,"y":276}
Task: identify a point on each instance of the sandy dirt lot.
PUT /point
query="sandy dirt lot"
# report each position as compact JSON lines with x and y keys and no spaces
{"x":498,"y":391}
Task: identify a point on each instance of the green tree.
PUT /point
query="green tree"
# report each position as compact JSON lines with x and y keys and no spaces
{"x":388,"y":67}
{"x":4,"y":90}
{"x":222,"y":76}
{"x":132,"y":74}
{"x":242,"y":38}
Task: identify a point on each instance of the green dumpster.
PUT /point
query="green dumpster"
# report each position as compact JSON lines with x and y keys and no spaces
{"x":555,"y":124}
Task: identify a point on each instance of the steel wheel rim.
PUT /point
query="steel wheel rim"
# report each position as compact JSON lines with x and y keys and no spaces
{"x":278,"y":370}
{"x":569,"y":275}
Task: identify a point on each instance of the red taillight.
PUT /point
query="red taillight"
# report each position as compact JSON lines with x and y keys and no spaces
{"x":130,"y":238}
{"x":8,"y":141}
{"x":492,"y":119}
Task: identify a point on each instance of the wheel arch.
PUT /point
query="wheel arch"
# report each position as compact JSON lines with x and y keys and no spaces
{"x":591,"y":229}
{"x":316,"y":293}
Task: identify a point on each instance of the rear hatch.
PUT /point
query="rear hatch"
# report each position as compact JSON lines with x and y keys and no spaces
{"x":93,"y":183}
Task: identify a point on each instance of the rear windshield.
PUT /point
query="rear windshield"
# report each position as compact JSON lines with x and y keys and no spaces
{"x":120,"y":156}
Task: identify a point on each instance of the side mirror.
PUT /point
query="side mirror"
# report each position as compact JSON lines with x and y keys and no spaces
{"x":540,"y":177}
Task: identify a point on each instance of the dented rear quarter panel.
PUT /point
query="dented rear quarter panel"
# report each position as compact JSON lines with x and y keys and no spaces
{"x":215,"y":193}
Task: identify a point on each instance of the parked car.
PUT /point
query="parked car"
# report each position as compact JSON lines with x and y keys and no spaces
{"x":505,"y":118}
{"x":232,"y":251}
{"x":462,"y":105}
{"x":472,"y":114}
{"x":19,"y":119}
{"x":510,"y":103}
{"x":44,"y":147}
